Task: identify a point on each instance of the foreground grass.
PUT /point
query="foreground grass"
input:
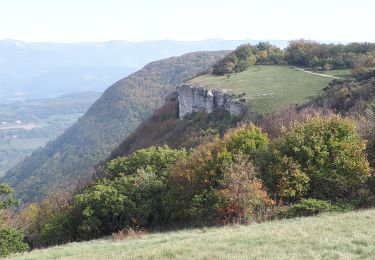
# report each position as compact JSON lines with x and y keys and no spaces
{"x":337,"y":236}
{"x":268,"y":87}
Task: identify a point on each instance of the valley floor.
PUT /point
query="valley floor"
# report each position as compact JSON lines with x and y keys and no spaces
{"x":330,"y":236}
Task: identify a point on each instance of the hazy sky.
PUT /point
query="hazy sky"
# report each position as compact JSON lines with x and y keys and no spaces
{"x":138,"y":20}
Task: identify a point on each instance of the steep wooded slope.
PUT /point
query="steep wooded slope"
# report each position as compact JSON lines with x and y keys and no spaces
{"x":109,"y":121}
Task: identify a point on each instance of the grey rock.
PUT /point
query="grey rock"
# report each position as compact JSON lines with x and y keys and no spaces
{"x":199,"y":99}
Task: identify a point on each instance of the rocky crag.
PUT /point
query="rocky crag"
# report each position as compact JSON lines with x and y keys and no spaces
{"x":199,"y":99}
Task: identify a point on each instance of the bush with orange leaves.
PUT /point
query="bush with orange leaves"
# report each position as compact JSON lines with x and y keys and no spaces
{"x":243,"y":192}
{"x":217,"y":182}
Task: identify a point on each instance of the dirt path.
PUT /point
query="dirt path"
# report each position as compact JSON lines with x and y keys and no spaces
{"x":314,"y":73}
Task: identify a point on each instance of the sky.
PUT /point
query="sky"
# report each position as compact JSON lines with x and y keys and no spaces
{"x":141,"y":20}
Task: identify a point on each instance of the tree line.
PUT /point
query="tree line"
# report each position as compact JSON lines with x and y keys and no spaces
{"x":305,"y":53}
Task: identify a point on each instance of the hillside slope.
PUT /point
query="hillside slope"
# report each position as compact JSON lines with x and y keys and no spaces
{"x":165,"y":128}
{"x":337,"y":236}
{"x":118,"y":112}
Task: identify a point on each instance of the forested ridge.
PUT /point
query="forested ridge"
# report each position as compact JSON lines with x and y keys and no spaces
{"x":115,"y":115}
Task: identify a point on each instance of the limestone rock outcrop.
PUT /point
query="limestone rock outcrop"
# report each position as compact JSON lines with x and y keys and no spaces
{"x":199,"y":99}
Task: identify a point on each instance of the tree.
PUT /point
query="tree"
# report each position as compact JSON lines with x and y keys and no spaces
{"x":129,"y":194}
{"x":242,"y":191}
{"x":322,"y":158}
{"x":196,"y":187}
{"x":6,"y":198}
{"x":11,"y":240}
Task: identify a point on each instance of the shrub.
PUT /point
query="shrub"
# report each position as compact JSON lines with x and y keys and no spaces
{"x":205,"y":206}
{"x":246,"y":56}
{"x":366,"y":128}
{"x":11,"y":241}
{"x":242,"y":192}
{"x":130,"y":196}
{"x":39,"y":219}
{"x":322,"y":158}
{"x":59,"y":228}
{"x":190,"y":177}
{"x":155,"y":158}
{"x":6,"y":198}
{"x":128,"y":233}
{"x":306,"y":207}
{"x":246,"y":139}
{"x":200,"y":187}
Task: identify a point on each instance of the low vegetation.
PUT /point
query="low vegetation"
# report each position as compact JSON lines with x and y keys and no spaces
{"x":316,"y":165}
{"x":11,"y":240}
{"x":328,"y":236}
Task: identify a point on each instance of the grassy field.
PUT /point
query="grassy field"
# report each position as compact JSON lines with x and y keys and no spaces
{"x":334,"y":236}
{"x":268,"y":87}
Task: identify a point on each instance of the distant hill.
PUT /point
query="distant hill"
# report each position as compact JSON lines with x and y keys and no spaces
{"x":37,"y":70}
{"x":109,"y":121}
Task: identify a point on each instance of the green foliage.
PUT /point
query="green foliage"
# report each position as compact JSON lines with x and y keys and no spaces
{"x":330,"y":56}
{"x":129,"y":195}
{"x":246,"y":139}
{"x":354,"y":97}
{"x":322,"y":158}
{"x":59,"y":228}
{"x":246,"y":56}
{"x":306,"y":207}
{"x":351,"y":96}
{"x":11,"y":241}
{"x":199,"y":190}
{"x":287,"y":179}
{"x":205,"y":205}
{"x":6,"y":198}
{"x":153,"y":159}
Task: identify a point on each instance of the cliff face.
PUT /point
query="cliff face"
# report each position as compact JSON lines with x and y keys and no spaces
{"x":198,"y":99}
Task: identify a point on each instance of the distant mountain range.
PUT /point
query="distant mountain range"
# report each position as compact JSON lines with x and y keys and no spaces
{"x":44,"y":70}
